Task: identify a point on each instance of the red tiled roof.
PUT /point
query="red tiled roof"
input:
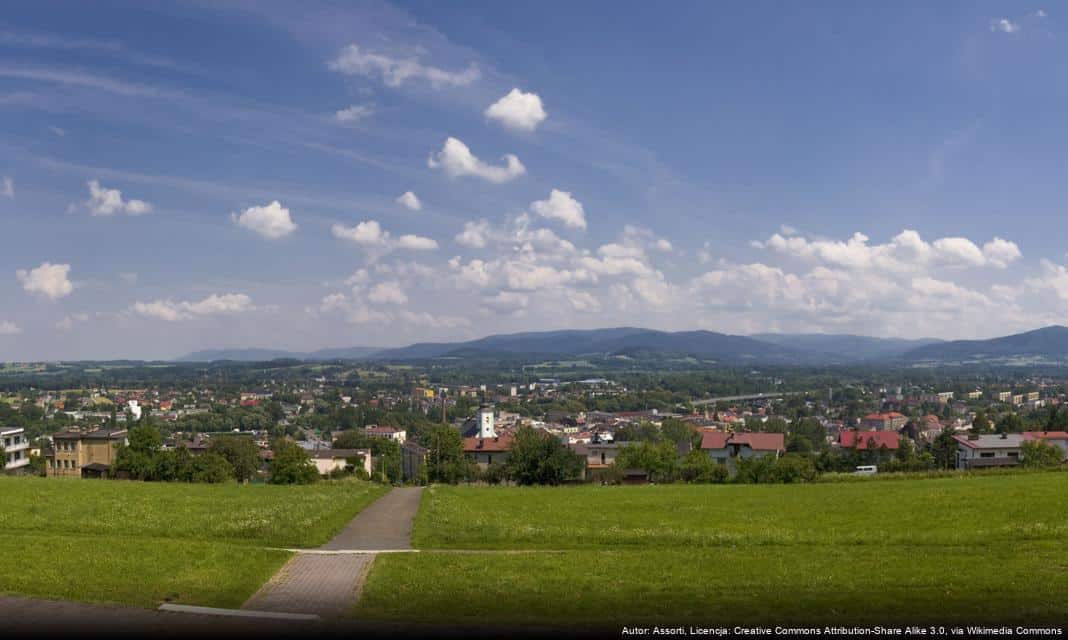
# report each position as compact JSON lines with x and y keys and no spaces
{"x":883,"y":416}
{"x":755,"y":441}
{"x":489,"y":445}
{"x":862,"y":439}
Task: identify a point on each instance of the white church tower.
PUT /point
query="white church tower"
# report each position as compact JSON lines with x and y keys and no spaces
{"x":485,"y":422}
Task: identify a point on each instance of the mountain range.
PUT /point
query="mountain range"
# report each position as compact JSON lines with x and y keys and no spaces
{"x":1047,"y":344}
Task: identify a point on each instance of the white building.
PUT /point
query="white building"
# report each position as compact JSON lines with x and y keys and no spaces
{"x":486,"y":427}
{"x":16,"y":448}
{"x":978,"y":451}
{"x":134,"y":409}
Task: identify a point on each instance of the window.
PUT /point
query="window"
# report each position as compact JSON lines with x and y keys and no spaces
{"x":1014,"y":454}
{"x":986,"y":454}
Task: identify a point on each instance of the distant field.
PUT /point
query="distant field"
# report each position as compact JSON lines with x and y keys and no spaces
{"x":143,"y":543}
{"x":932,"y":551}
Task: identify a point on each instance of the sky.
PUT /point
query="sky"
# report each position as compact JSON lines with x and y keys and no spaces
{"x":191,"y":175}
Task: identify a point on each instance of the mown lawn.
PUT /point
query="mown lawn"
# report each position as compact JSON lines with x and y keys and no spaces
{"x":138,"y":571}
{"x":932,"y":551}
{"x":142,"y":544}
{"x":266,"y":515}
{"x":944,"y":511}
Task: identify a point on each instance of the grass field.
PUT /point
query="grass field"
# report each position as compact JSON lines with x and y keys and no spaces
{"x":966,"y":550}
{"x":144,"y":543}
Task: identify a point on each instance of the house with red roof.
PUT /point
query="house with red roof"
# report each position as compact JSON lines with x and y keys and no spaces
{"x":486,"y":452}
{"x":725,"y":447}
{"x":869,"y":440}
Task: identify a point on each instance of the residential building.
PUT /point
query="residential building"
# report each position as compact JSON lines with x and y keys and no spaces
{"x":16,"y":448}
{"x":486,"y":452}
{"x":397,"y":435}
{"x":77,"y":454}
{"x":329,"y":460}
{"x":724,"y":447}
{"x":869,"y":440}
{"x":981,"y":451}
{"x":890,"y":421}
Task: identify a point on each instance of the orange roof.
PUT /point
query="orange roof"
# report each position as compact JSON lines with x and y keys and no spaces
{"x":755,"y":441}
{"x":488,"y":445}
{"x":869,"y":439}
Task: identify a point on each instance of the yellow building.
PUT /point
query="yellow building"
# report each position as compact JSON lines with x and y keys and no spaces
{"x":84,"y":455}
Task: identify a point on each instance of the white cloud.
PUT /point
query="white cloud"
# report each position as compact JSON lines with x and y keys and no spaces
{"x":409,"y":200}
{"x":370,"y":233}
{"x":67,"y":323}
{"x":272,"y":221}
{"x":389,"y":292}
{"x":395,"y":71}
{"x":1041,"y":13}
{"x":456,"y":160}
{"x":1004,"y":25}
{"x":106,"y":202}
{"x":48,"y":280}
{"x":475,"y":234}
{"x":8,"y":328}
{"x":215,"y":304}
{"x":354,"y":114}
{"x":1000,"y":252}
{"x":8,"y":188}
{"x":518,"y":110}
{"x":906,"y":252}
{"x":416,"y":243}
{"x":563,"y":207}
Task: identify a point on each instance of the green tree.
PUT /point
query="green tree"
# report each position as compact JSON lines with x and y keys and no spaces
{"x":211,"y":467}
{"x":793,"y":468}
{"x":241,"y":453}
{"x":944,"y":449}
{"x":536,"y":457}
{"x":1039,"y":455}
{"x":698,"y":467}
{"x":291,"y":464}
{"x":138,"y":458}
{"x":981,"y":424}
{"x":445,"y":455}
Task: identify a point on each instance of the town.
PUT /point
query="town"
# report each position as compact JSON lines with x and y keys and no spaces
{"x":413,"y":429}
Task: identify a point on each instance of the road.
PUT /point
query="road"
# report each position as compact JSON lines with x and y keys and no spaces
{"x":751,"y":396}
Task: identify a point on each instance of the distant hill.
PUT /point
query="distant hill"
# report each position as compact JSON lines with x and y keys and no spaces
{"x":601,"y":343}
{"x":264,"y":355}
{"x":1049,"y":343}
{"x":844,"y":347}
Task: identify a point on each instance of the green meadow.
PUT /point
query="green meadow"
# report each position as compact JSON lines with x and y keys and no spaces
{"x":927,"y":551}
{"x":145,"y":543}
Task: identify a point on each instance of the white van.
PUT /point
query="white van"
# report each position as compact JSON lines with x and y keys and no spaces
{"x":866,"y":470}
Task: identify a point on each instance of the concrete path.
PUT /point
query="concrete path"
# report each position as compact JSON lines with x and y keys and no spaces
{"x":383,"y":525}
{"x":328,"y":584}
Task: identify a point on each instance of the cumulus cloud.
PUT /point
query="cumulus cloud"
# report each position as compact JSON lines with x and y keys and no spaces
{"x":563,"y":207}
{"x":905,"y":252}
{"x":517,"y":110}
{"x":395,"y":71}
{"x":176,"y":311}
{"x":272,"y":221}
{"x":1004,"y":25}
{"x":476,"y":234}
{"x":409,"y":200}
{"x":456,"y":160}
{"x":370,"y":233}
{"x":7,"y":190}
{"x":106,"y":202}
{"x":48,"y":280}
{"x":416,"y":243}
{"x":354,"y":114}
{"x":8,"y":328}
{"x":389,"y":292}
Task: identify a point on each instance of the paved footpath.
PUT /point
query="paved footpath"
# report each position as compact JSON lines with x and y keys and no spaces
{"x":328,"y":581}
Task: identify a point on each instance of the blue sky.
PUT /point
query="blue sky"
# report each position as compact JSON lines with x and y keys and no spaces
{"x":202,"y":175}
